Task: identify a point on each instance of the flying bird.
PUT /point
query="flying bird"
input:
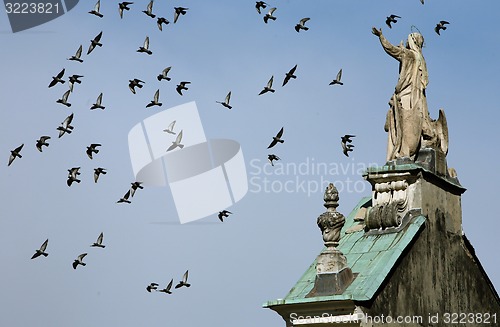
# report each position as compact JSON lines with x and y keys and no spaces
{"x":181,"y":86}
{"x":95,"y":42}
{"x":183,"y":282}
{"x":79,"y":260}
{"x":259,"y":5}
{"x":74,"y":79}
{"x":151,"y":287}
{"x":269,"y":15}
{"x":177,"y":142}
{"x":170,"y":128}
{"x":92,"y":149}
{"x":155,"y":101}
{"x":95,"y":11}
{"x":223,"y":214}
{"x":66,"y":126}
{"x":346,"y":148}
{"x":391,"y":19}
{"x":163,"y":74}
{"x":337,"y":79}
{"x":98,"y":242}
{"x":145,"y":47}
{"x":73,"y":175}
{"x":57,"y":79}
{"x":167,"y":289}
{"x":98,"y":103}
{"x":149,"y":10}
{"x":272,"y":157}
{"x":179,"y":11}
{"x":277,"y":139}
{"x":77,"y":55}
{"x":225,"y":103}
{"x":41,"y":251}
{"x":16,"y":153}
{"x":268,"y":87}
{"x":97,"y":172}
{"x":133,"y":83}
{"x":125,"y":198}
{"x":301,"y":25}
{"x":160,"y":21}
{"x":123,"y":6}
{"x":289,"y":75}
{"x":41,"y":142}
{"x":134,"y":187}
{"x":64,"y":99}
{"x":440,"y":26}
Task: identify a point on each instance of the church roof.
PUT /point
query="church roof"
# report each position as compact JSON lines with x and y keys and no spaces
{"x":371,"y":256}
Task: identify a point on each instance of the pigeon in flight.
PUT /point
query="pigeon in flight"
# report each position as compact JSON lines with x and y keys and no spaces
{"x":269,"y":15}
{"x":301,"y":25}
{"x":95,"y":42}
{"x":15,"y":154}
{"x":160,"y":21}
{"x":272,"y":157}
{"x":57,"y":79}
{"x":134,"y":187}
{"x":73,"y":175}
{"x":41,"y":251}
{"x":77,"y":55}
{"x":79,"y":260}
{"x":337,"y":79}
{"x":183,"y":282}
{"x":123,"y":6}
{"x":152,"y":287}
{"x":440,"y":26}
{"x":155,"y":101}
{"x":74,"y":79}
{"x":41,"y":142}
{"x":346,"y":148}
{"x":95,"y":11}
{"x":276,"y":139}
{"x":98,"y":242}
{"x":268,"y":87}
{"x":149,"y":10}
{"x":163,"y":74}
{"x":224,"y":214}
{"x":259,"y":5}
{"x":98,"y":103}
{"x":133,"y":83}
{"x":177,"y":142}
{"x":97,"y":172}
{"x":64,"y":99}
{"x":125,"y":198}
{"x":167,"y":289}
{"x":66,"y":126}
{"x":289,"y":75}
{"x":179,"y":11}
{"x":92,"y":149}
{"x":145,"y":47}
{"x":225,"y":103}
{"x":391,"y":19}
{"x":170,"y":128}
{"x":181,"y":86}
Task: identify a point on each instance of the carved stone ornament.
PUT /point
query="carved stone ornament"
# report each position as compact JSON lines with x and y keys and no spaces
{"x":331,"y":221}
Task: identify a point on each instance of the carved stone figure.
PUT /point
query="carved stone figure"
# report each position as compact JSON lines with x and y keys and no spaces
{"x":331,"y":221}
{"x":408,"y":123}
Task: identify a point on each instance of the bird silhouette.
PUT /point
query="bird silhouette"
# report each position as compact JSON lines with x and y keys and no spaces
{"x":391,"y":19}
{"x":301,"y":25}
{"x":268,"y":87}
{"x":98,"y":242}
{"x":337,"y":79}
{"x":73,"y":175}
{"x":98,"y":103}
{"x":91,"y":149}
{"x":16,"y":153}
{"x":77,"y":55}
{"x":289,"y":75}
{"x":225,"y":103}
{"x":272,"y":157}
{"x":163,"y":74}
{"x":277,"y":139}
{"x":41,"y":251}
{"x":259,"y":5}
{"x":98,"y":172}
{"x":155,"y":101}
{"x":183,"y":282}
{"x":346,"y":148}
{"x":95,"y":11}
{"x":152,"y":287}
{"x":182,"y":86}
{"x":125,"y":199}
{"x":57,"y":79}
{"x":79,"y":261}
{"x":179,"y":11}
{"x":170,"y":128}
{"x":160,"y":21}
{"x":64,"y":99}
{"x":123,"y":6}
{"x":167,"y":289}
{"x":177,"y":142}
{"x":133,"y":83}
{"x":66,"y":126}
{"x":96,"y":42}
{"x":135,"y":185}
{"x":149,"y":10}
{"x":440,"y":26}
{"x":223,"y":214}
{"x":269,"y":15}
{"x":74,"y":79}
{"x":41,"y":142}
{"x":145,"y":47}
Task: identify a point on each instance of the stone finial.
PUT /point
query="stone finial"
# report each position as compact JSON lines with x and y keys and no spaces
{"x":331,"y":221}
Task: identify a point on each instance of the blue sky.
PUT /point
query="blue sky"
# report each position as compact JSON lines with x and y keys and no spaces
{"x":261,"y":250}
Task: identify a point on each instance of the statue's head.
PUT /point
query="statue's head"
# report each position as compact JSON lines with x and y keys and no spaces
{"x":415,"y":41}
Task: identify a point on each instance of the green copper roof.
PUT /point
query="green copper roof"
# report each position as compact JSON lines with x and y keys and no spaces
{"x":371,"y":257}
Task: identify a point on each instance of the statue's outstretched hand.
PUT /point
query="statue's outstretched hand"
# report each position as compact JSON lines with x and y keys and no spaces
{"x":376,"y":31}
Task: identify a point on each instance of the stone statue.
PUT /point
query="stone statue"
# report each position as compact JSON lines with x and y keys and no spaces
{"x":408,"y":123}
{"x":331,"y":221}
